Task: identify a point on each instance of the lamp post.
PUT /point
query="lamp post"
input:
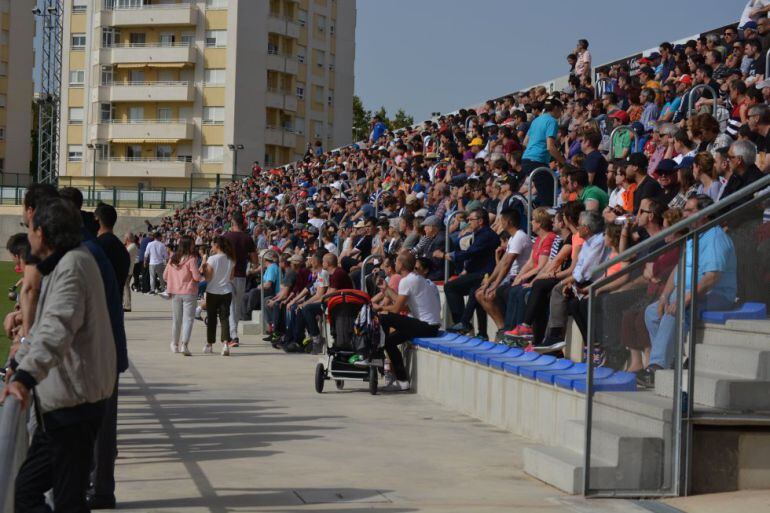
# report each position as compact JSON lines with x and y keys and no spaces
{"x":92,"y":195}
{"x":234,"y":148}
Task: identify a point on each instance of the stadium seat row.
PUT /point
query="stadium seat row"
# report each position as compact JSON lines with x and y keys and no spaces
{"x":545,"y":368}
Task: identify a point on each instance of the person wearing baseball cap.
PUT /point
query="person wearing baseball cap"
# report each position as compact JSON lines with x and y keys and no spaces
{"x":542,"y":145}
{"x":621,"y":143}
{"x":646,"y":186}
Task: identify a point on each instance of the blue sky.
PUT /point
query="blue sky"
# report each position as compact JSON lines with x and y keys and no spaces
{"x":439,"y":55}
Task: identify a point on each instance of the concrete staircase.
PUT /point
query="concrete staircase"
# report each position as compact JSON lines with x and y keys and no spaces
{"x":631,"y":434}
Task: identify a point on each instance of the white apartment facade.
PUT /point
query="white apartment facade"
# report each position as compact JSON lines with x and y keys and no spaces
{"x":166,"y":93}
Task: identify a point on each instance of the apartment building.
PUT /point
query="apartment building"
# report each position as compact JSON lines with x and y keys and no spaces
{"x":165,"y":93}
{"x":17,"y":28}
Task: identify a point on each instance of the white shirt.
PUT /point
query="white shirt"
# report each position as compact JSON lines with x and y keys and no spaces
{"x":317,"y":222}
{"x":521,"y":246}
{"x":220,"y":278}
{"x":157,"y":252}
{"x":616,"y":197}
{"x":422,"y":298}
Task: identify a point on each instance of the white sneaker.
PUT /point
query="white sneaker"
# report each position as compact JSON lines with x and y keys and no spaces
{"x":396,"y":386}
{"x":225,"y":349}
{"x":186,"y":350}
{"x":208,"y":349}
{"x":165,"y":295}
{"x":389,"y":378}
{"x":174,"y":348}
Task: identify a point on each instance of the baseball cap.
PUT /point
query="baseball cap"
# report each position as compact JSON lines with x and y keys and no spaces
{"x":685,"y":79}
{"x":477,"y":141}
{"x":685,"y":163}
{"x":359,"y":224}
{"x":666,"y":167}
{"x":620,"y":115}
{"x":751,"y":25}
{"x":431,"y":221}
{"x":296,"y":259}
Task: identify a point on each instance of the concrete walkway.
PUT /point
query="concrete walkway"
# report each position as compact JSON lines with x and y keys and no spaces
{"x":248,"y":432}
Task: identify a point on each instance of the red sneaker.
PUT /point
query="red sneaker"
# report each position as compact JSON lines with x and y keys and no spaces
{"x":521,"y":330}
{"x":530,"y":348}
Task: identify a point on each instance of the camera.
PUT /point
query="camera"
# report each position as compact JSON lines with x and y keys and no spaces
{"x":625,"y":219}
{"x":12,"y":295}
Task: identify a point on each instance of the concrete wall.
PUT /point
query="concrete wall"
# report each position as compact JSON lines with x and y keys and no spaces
{"x":18,"y":107}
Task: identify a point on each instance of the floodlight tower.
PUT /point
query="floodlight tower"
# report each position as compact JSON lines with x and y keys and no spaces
{"x":48,"y":98}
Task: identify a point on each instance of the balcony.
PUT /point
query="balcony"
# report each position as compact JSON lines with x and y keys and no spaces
{"x":278,"y":62}
{"x":151,"y":15}
{"x":142,"y":168}
{"x":284,"y":26}
{"x":144,"y":130}
{"x":278,"y":99}
{"x":277,"y":136}
{"x":180,"y":91}
{"x":149,"y":54}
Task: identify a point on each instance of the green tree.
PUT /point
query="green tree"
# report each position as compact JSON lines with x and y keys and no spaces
{"x":361,"y":120}
{"x":402,"y":120}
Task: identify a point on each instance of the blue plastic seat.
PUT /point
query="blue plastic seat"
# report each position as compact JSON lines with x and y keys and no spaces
{"x":529,"y":371}
{"x":747,"y":311}
{"x":458,"y":350}
{"x":497,"y":362}
{"x":473,"y":355}
{"x":484,"y":358}
{"x":514,"y":365}
{"x":435,"y":343}
{"x":425,"y":341}
{"x":547,"y":376}
{"x":618,"y":382}
{"x":471,"y":342}
{"x":568,"y":381}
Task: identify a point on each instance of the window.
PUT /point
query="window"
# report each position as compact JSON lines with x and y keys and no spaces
{"x":319,"y":57}
{"x":317,"y":129}
{"x":106,"y":112}
{"x":137,"y":38}
{"x":76,"y":115}
{"x":2,"y":165}
{"x":167,"y":39}
{"x":75,"y":152}
{"x":331,"y":28}
{"x":77,"y":77}
{"x":78,"y":41}
{"x":332,"y":60}
{"x":163,"y":151}
{"x":213,"y":76}
{"x":3,"y":69}
{"x":320,"y":23}
{"x":216,"y":4}
{"x":301,"y":90}
{"x":188,"y":38}
{"x":301,"y":52}
{"x":3,"y":99}
{"x":2,"y":133}
{"x":213,"y":153}
{"x":164,"y":114}
{"x":216,"y":38}
{"x":299,"y":125}
{"x":213,"y":115}
{"x":4,"y":37}
{"x":79,"y":6}
{"x":302,"y":17}
{"x":110,"y":36}
{"x":107,"y":75}
{"x":330,"y":98}
{"x":318,"y":94}
{"x":134,"y":151}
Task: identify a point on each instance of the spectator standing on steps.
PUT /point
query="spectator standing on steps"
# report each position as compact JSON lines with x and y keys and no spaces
{"x":245,"y":252}
{"x":155,"y":258}
{"x":543,"y":145}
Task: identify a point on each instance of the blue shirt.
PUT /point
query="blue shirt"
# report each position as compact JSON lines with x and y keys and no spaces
{"x":716,"y":253}
{"x":378,"y":131}
{"x":671,"y":106}
{"x":143,"y":248}
{"x":649,"y":116}
{"x":543,"y":127}
{"x":480,"y":256}
{"x":272,"y":274}
{"x":591,"y":255}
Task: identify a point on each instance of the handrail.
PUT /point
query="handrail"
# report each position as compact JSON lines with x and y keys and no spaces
{"x":187,"y":3}
{"x":363,"y":271}
{"x":684,"y":224}
{"x":145,"y":83}
{"x":262,"y":283}
{"x":611,"y":154}
{"x":149,"y":45}
{"x":692,"y":93}
{"x":143,"y":121}
{"x":542,"y":169}
{"x":600,"y":86}
{"x":446,"y":262}
{"x":144,"y":159}
{"x":11,"y":420}
{"x":468,"y":122}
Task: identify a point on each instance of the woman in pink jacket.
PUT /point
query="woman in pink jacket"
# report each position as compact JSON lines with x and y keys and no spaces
{"x":182,"y":277}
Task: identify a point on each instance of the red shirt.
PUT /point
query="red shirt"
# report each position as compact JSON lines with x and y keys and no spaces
{"x":542,"y":247}
{"x":339,"y":280}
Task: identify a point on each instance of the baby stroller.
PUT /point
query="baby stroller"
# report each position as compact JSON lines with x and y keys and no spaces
{"x":353,"y":329}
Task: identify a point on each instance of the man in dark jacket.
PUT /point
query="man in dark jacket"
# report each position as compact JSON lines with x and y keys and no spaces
{"x":475,"y":262}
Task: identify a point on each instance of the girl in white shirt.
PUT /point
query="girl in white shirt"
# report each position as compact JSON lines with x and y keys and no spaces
{"x":218,"y":270}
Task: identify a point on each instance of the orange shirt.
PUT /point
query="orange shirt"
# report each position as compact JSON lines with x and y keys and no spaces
{"x":628,"y":198}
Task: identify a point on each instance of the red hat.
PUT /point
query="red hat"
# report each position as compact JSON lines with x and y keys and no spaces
{"x":303,"y":194}
{"x":620,"y":115}
{"x":644,"y":60}
{"x":685,"y":79}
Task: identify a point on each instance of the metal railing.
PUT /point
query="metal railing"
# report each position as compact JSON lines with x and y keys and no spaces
{"x":159,"y":121}
{"x":363,"y":271}
{"x":447,"y":240}
{"x":669,"y":474}
{"x":157,"y":44}
{"x":156,"y":83}
{"x":691,"y":94}
{"x":12,"y":446}
{"x":555,"y":178}
{"x":181,"y":3}
{"x":145,"y":159}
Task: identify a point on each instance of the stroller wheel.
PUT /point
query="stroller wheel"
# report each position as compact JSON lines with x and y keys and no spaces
{"x":373,"y":380}
{"x":340,"y":384}
{"x":320,"y":377}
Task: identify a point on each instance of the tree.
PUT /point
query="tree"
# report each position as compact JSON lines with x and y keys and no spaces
{"x":361,"y":120}
{"x":402,"y":120}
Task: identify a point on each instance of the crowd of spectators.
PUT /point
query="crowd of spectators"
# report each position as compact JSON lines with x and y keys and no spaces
{"x":340,"y":219}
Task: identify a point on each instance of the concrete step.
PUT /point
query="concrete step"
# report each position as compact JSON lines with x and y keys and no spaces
{"x":720,"y":391}
{"x":618,"y":444}
{"x":644,"y":409}
{"x":738,"y":361}
{"x":746,"y":334}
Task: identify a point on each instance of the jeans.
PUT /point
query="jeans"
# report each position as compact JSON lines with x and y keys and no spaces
{"x":662,"y":329}
{"x":60,"y":459}
{"x":127,"y":292}
{"x":455,"y":290}
{"x":182,"y":317}
{"x":542,"y":182}
{"x":105,"y":450}
{"x":404,"y":328}
{"x":514,"y":306}
{"x":536,"y":313}
{"x":157,"y":269}
{"x":239,"y":288}
{"x":309,"y":314}
{"x":218,"y":305}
